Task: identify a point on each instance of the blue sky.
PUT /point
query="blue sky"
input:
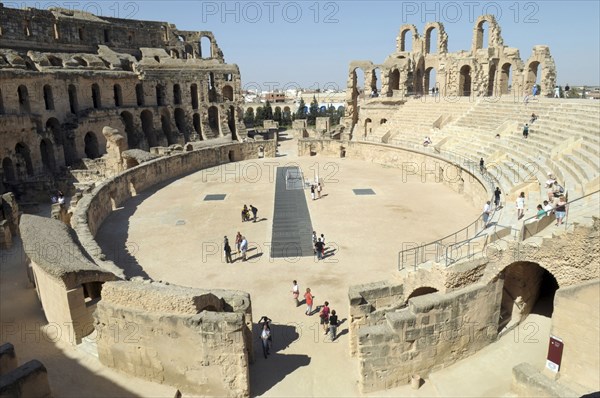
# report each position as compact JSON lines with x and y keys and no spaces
{"x":310,"y":43}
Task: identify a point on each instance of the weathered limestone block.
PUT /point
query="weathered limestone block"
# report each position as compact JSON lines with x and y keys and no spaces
{"x":116,"y":144}
{"x":29,"y":380}
{"x":8,"y":358}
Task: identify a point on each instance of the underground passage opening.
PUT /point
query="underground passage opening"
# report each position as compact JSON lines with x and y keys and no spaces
{"x":421,"y":291}
{"x":528,"y":289}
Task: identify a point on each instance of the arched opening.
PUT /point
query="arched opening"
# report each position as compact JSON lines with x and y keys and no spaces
{"x":532,"y":74}
{"x":430,"y":80}
{"x":357,"y":76}
{"x":375,"y":83}
{"x":205,"y":47}
{"x":231,"y":122}
{"x":148,"y":128}
{"x":419,"y":81}
{"x":132,"y":139}
{"x":491,"y":79}
{"x":118,"y":95}
{"x":80,"y":61}
{"x":394,"y":81}
{"x":197,"y":125}
{"x":54,"y":61}
{"x":421,"y":291}
{"x":228,"y":93}
{"x":189,"y":51}
{"x":8,"y":170}
{"x":194,"y":94}
{"x":139,"y":94}
{"x":464,"y":83}
{"x":81,"y":35}
{"x":23,"y":162}
{"x":406,"y":45}
{"x":73,"y":103}
{"x":96,"y":100}
{"x":482,"y":35}
{"x":160,"y":95}
{"x":165,"y":123}
{"x":431,"y":48}
{"x":213,"y":120}
{"x":177,"y":94}
{"x":367,"y":126}
{"x":47,"y":153}
{"x":506,"y":78}
{"x":91,"y":146}
{"x":48,"y":98}
{"x":212,"y":91}
{"x":23,"y":99}
{"x":181,"y":124}
{"x":528,"y":289}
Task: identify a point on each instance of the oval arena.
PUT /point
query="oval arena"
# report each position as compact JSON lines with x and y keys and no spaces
{"x":124,"y":289}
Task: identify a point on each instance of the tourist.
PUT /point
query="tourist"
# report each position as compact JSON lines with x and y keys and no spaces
{"x":557,"y":190}
{"x":244,"y":247}
{"x":548,"y":208}
{"x":319,"y":248}
{"x":567,"y":89}
{"x":540,"y":212}
{"x":557,"y":92}
{"x":319,"y":190}
{"x":308,"y":299}
{"x":227,"y":250}
{"x":534,"y":90}
{"x":295,"y":292}
{"x":497,"y":194}
{"x":244,"y":212}
{"x":254,"y":212}
{"x":550,"y":183}
{"x":238,"y":242}
{"x":497,"y":136}
{"x":314,"y":241}
{"x":312,"y":191}
{"x":481,"y":165}
{"x":487,"y":209}
{"x":526,"y":130}
{"x":333,"y":324}
{"x":61,"y":198}
{"x":533,"y":118}
{"x":521,"y":205}
{"x":324,"y":315}
{"x":323,"y":239}
{"x":560,"y":210}
{"x":427,"y":141}
{"x":265,"y":335}
{"x":266,"y":321}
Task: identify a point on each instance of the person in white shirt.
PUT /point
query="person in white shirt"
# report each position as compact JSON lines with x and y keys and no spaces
{"x":487,"y":208}
{"x":548,"y":208}
{"x":264,"y":337}
{"x":295,"y":292}
{"x":520,"y":205}
{"x":244,"y":247}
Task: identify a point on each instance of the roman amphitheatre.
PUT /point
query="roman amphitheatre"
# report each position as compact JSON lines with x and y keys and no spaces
{"x":121,"y":286}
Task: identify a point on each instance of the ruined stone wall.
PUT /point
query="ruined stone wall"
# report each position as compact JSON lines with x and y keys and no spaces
{"x":575,"y":321}
{"x":93,"y":209}
{"x":435,"y":331}
{"x":187,"y":338}
{"x":66,"y":74}
{"x":411,"y":163}
{"x":487,"y":69}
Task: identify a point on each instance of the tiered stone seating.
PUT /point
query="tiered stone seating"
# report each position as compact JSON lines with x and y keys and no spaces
{"x":564,"y":140}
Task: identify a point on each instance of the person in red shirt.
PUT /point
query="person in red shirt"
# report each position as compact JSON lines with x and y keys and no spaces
{"x":308,"y":297}
{"x":324,"y":315}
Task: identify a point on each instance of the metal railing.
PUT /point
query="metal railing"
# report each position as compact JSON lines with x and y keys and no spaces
{"x":437,"y":250}
{"x":533,"y":225}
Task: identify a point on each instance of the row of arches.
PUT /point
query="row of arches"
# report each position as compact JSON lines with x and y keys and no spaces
{"x":423,"y":79}
{"x":25,"y":105}
{"x":23,"y":165}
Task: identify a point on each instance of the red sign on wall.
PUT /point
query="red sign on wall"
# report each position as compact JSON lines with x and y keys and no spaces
{"x":555,"y":350}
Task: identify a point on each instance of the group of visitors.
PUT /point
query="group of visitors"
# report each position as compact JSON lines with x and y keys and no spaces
{"x":241,"y":245}
{"x":556,"y":203}
{"x":315,"y":190}
{"x":328,"y":317}
{"x":246,"y":213}
{"x":318,"y":245}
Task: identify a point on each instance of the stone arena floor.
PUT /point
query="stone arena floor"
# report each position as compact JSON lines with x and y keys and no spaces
{"x":169,"y":233}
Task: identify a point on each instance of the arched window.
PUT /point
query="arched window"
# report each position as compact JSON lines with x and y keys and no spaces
{"x":228,"y":93}
{"x":73,"y":103}
{"x":23,"y":99}
{"x":91,"y":146}
{"x":177,"y":94}
{"x":139,"y":94}
{"x":160,"y":95}
{"x":118,"y":95}
{"x":48,"y":98}
{"x":205,"y":47}
{"x":96,"y":99}
{"x":194,"y":94}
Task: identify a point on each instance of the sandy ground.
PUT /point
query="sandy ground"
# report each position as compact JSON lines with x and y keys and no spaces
{"x":171,"y":234}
